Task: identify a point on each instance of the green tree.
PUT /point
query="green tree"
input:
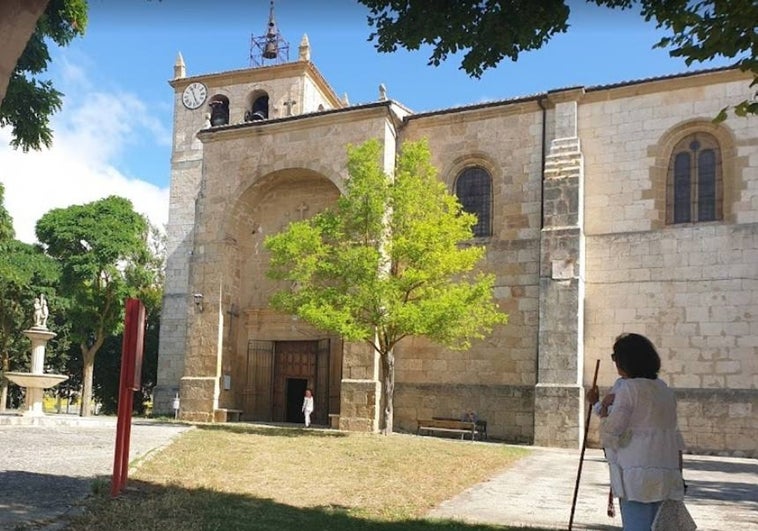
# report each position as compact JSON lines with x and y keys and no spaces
{"x":387,"y":262}
{"x":489,"y":31}
{"x":29,"y":102}
{"x":145,"y":275}
{"x":108,"y":368}
{"x":96,"y":245}
{"x":25,"y":272}
{"x":7,"y":233}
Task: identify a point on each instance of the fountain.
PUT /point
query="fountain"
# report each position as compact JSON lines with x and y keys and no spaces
{"x":36,"y":381}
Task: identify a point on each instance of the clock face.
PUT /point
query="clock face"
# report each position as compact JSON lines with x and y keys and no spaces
{"x":194,"y":95}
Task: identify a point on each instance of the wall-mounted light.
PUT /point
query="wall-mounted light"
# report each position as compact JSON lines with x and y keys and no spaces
{"x":198,"y":297}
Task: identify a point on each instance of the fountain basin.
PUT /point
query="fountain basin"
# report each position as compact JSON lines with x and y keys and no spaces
{"x":36,"y":381}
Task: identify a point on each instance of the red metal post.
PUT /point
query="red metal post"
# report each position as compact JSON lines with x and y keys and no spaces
{"x":131,"y":364}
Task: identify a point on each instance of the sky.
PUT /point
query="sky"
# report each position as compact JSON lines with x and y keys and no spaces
{"x":113,"y":135}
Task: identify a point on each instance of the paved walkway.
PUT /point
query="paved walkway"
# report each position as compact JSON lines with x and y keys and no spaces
{"x":722,"y":493}
{"x":45,"y":470}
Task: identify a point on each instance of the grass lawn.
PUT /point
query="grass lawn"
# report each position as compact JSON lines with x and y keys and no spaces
{"x":244,"y":477}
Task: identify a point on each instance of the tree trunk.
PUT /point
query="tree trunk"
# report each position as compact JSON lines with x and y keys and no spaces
{"x":4,"y":383}
{"x":88,"y":371}
{"x":85,"y":408}
{"x":18,"y":19}
{"x":3,"y":394}
{"x":388,"y":363}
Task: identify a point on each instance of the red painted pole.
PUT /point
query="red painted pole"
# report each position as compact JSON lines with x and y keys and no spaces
{"x":131,"y":362}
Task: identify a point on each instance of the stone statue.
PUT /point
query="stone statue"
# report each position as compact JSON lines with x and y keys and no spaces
{"x":41,"y":312}
{"x":45,"y":312}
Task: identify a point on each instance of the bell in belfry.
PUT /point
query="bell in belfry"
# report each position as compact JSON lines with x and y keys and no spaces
{"x":271,"y":51}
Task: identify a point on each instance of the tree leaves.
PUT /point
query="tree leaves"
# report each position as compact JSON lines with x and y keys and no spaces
{"x":29,"y":102}
{"x":491,"y":30}
{"x":487,"y":31}
{"x":100,"y":247}
{"x":387,"y":261}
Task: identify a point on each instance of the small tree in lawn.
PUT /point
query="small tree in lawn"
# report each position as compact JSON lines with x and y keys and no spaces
{"x":387,"y":262}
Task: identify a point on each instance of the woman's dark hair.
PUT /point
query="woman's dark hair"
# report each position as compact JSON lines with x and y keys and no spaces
{"x":636,"y":356}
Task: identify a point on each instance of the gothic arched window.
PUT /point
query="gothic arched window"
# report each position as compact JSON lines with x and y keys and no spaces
{"x":474,"y":190}
{"x":694,"y":184}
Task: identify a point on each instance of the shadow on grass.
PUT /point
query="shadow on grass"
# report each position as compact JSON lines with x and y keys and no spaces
{"x":149,"y":506}
{"x":270,"y":430}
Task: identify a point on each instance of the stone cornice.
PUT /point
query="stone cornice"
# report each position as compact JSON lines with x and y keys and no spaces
{"x":263,"y":73}
{"x":568,"y":94}
{"x":300,"y":122}
{"x":664,"y":84}
{"x":476,"y":112}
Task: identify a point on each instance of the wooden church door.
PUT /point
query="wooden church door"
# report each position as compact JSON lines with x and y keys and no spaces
{"x":278,"y":374}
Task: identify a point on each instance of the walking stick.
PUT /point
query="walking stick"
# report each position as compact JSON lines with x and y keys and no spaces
{"x":584,"y":446}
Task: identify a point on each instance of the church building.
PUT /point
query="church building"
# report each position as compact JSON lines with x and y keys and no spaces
{"x":603,"y":210}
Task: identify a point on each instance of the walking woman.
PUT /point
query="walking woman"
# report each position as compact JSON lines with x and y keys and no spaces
{"x":641,"y":436}
{"x":308,"y":406}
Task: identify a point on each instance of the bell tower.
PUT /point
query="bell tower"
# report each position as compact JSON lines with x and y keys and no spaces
{"x":270,"y":48}
{"x":200,"y":292}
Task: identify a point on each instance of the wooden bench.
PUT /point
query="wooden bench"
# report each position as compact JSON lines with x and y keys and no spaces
{"x":227,"y":415}
{"x":481,"y":426}
{"x":449,"y":426}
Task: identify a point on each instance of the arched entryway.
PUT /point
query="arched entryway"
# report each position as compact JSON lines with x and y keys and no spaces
{"x":275,"y":356}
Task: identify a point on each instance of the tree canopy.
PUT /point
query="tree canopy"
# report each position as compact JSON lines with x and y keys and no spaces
{"x":488,"y":31}
{"x":99,"y":247}
{"x":29,"y":101}
{"x":387,"y":262}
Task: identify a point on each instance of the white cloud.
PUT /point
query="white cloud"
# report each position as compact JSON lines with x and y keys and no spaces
{"x":91,"y":132}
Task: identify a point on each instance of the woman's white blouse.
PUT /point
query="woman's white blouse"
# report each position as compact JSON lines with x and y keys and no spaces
{"x":307,"y":404}
{"x":643,"y":442}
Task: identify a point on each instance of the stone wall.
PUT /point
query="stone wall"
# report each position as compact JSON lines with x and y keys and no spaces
{"x":508,"y":409}
{"x":496,"y":376}
{"x":186,"y":170}
{"x":253,"y":185}
{"x":580,"y":250}
{"x":691,"y":288}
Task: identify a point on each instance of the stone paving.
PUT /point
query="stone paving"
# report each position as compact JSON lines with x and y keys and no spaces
{"x":46,"y":470}
{"x":722,"y":493}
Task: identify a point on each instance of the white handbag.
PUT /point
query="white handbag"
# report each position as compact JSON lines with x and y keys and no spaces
{"x":673,"y":516}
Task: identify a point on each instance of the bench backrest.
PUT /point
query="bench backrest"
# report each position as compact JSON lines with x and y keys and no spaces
{"x":449,"y":424}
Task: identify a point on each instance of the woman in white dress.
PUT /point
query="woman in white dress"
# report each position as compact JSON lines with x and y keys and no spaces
{"x":308,"y":406}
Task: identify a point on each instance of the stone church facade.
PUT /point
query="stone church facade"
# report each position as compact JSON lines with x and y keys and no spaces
{"x":603,"y":210}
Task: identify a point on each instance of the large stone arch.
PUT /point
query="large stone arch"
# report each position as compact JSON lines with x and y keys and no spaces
{"x":268,"y":204}
{"x":265,"y":206}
